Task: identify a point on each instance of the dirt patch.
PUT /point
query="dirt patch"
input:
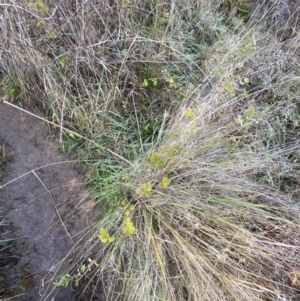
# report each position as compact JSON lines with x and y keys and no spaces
{"x":45,"y":207}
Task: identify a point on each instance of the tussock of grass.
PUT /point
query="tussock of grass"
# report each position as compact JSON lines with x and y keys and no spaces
{"x":202,"y":97}
{"x":213,"y":233}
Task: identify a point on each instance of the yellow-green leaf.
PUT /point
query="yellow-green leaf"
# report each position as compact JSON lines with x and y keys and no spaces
{"x":171,"y":151}
{"x":129,"y":210}
{"x":104,"y":236}
{"x":171,"y":82}
{"x":156,"y":160}
{"x":40,"y":6}
{"x":246,"y":80}
{"x":250,"y":112}
{"x":261,"y":115}
{"x":164,"y":183}
{"x":145,"y":190}
{"x":51,"y":34}
{"x":83,"y":268}
{"x":228,"y":87}
{"x":189,"y":113}
{"x":126,"y":3}
{"x":145,"y":83}
{"x":129,"y":228}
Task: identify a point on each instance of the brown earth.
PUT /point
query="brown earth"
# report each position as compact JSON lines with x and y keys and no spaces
{"x":45,"y":206}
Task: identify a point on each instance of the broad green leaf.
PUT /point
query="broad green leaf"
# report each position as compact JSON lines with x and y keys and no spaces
{"x":129,"y":228}
{"x":145,"y":83}
{"x":156,"y":160}
{"x":83,"y":268}
{"x":145,"y":190}
{"x":129,"y":208}
{"x":63,"y":281}
{"x":164,"y":183}
{"x":104,"y":236}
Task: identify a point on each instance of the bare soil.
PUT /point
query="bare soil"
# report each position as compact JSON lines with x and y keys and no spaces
{"x":45,"y":206}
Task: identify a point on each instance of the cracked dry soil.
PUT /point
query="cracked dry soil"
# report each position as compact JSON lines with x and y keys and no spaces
{"x":45,"y":206}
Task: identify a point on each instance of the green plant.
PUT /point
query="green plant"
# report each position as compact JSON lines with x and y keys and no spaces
{"x":185,"y":117}
{"x":64,"y":281}
{"x":12,"y":86}
{"x":202,"y":231}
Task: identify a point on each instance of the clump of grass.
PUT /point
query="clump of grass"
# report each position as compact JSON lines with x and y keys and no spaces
{"x":200,"y":98}
{"x":204,"y":230}
{"x":206,"y":226}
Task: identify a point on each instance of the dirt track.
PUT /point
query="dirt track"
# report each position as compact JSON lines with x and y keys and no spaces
{"x":44,"y":202}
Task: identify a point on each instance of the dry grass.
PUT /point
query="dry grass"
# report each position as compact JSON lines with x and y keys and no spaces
{"x":218,"y":115}
{"x":4,"y":156}
{"x":213,"y":233}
